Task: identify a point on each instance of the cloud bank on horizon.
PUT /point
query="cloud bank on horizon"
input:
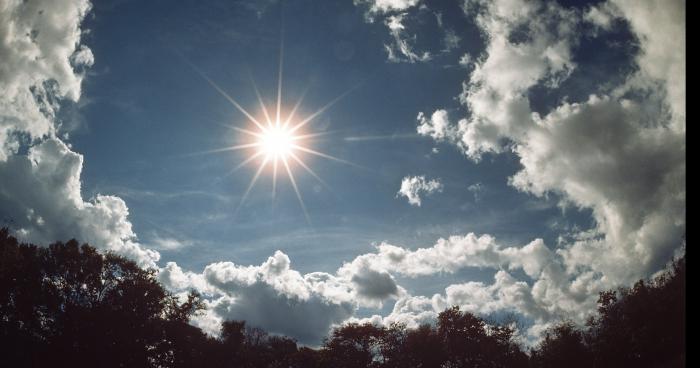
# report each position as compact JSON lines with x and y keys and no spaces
{"x":618,"y":151}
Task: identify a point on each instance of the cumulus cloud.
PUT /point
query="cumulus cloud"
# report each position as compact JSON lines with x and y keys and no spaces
{"x":660,"y":27}
{"x":413,"y":186}
{"x":38,"y":42}
{"x":455,"y":253}
{"x":550,"y":293}
{"x":610,"y":153}
{"x":632,"y":176}
{"x":412,"y":311}
{"x":437,"y":126}
{"x":280,"y":299}
{"x":40,"y":193}
{"x":620,"y":153}
{"x":496,"y":91}
{"x":268,"y":294}
{"x":272,"y":296}
{"x":371,"y":285}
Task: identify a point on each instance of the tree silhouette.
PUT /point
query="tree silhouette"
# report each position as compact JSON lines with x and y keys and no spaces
{"x":353,"y":346}
{"x":68,"y":305}
{"x":470,"y":342}
{"x":563,"y":346}
{"x":643,"y":325}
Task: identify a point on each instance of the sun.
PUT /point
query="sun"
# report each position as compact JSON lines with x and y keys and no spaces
{"x":276,"y":142}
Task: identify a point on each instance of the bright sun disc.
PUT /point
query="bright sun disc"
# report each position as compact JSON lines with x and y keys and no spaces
{"x":279,"y":141}
{"x":276,"y":142}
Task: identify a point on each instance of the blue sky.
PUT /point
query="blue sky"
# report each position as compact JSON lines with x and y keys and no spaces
{"x":149,"y":116}
{"x":535,"y":151}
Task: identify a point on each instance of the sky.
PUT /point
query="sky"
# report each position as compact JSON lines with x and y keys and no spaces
{"x":510,"y":157}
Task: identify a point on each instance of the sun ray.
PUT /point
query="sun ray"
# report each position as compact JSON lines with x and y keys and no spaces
{"x":390,"y":137}
{"x":321,"y":154}
{"x":296,"y":189}
{"x":252,"y":183}
{"x":295,"y":108}
{"x":308,"y":169}
{"x":260,"y":100}
{"x":279,"y":83}
{"x":274,"y":179}
{"x":246,"y":131}
{"x":232,"y":101}
{"x":246,"y":161}
{"x":225,"y":149}
{"x":311,"y":135}
{"x":322,"y":109}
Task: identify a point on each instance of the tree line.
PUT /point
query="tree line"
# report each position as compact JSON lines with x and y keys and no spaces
{"x":66,"y":305}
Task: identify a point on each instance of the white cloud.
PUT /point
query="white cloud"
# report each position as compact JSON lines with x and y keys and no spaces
{"x":83,"y":57}
{"x":623,"y":158}
{"x":393,"y":12}
{"x":660,"y":26}
{"x":602,"y":16}
{"x":41,"y":194}
{"x":386,"y":6}
{"x":496,"y":91}
{"x":167,"y":243}
{"x":542,"y":303}
{"x":412,"y":311}
{"x":597,"y":155}
{"x":620,"y":154}
{"x":465,"y":60}
{"x":413,"y":186}
{"x":455,"y":253}
{"x":371,"y":285}
{"x":437,"y":126}
{"x":272,"y":296}
{"x":38,"y":40}
{"x":550,"y":296}
{"x":401,"y":50}
{"x":174,"y":278}
{"x":281,"y":300}
{"x":476,"y":189}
